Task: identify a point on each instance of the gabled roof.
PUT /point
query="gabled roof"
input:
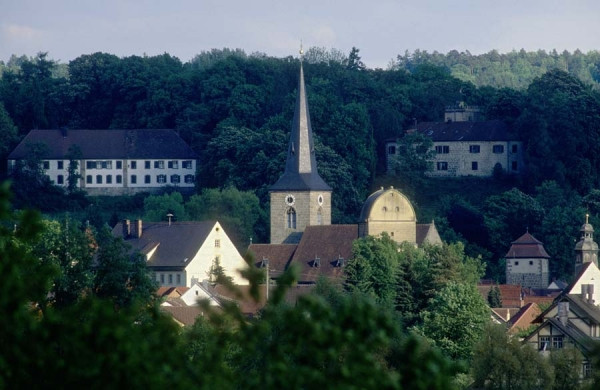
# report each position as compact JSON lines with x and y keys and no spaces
{"x":582,"y":340}
{"x":279,"y":256}
{"x":428,"y":233}
{"x":494,"y":130}
{"x":184,"y":315}
{"x":524,"y":318}
{"x":527,"y":246}
{"x":301,"y":166}
{"x":328,"y":244}
{"x":178,"y":242}
{"x":509,"y":293}
{"x":108,"y":144}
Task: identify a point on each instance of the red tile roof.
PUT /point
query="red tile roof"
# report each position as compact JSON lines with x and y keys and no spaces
{"x":509,"y":293}
{"x":323,"y":251}
{"x":523,"y":319}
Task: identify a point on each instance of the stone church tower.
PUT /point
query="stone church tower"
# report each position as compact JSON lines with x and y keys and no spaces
{"x":300,"y":197}
{"x":586,"y":250}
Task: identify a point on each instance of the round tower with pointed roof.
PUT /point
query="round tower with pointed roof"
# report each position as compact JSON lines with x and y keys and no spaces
{"x":300,"y":197}
{"x":586,"y":250}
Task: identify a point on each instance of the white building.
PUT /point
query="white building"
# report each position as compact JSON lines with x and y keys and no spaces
{"x":183,"y":253}
{"x":113,"y":162}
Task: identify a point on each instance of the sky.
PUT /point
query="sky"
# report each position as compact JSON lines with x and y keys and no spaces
{"x":380,"y":29}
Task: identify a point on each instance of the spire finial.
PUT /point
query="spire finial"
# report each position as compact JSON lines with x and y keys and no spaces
{"x":301,"y":51}
{"x":587,"y":217}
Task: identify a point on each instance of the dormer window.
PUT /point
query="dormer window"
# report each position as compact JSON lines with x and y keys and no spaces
{"x":317,"y":262}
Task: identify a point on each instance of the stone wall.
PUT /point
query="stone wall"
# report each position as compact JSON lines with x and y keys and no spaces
{"x":306,"y":205}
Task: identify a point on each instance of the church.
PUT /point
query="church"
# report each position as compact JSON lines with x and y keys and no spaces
{"x":300,"y":213}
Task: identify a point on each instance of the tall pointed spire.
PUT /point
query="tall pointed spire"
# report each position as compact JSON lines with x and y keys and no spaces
{"x":301,"y":165}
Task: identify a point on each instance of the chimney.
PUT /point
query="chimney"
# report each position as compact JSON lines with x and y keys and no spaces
{"x":563,"y":312}
{"x":126,"y":228}
{"x":138,"y":228}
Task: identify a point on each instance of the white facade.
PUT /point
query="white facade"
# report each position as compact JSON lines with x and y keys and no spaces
{"x":124,"y":176}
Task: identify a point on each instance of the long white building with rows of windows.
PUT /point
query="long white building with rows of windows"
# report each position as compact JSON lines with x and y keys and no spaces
{"x":112,"y":162}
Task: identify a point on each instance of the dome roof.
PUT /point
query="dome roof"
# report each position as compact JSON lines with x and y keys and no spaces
{"x":392,"y":201}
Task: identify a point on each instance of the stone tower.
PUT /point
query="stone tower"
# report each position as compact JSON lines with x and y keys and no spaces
{"x":586,"y":250}
{"x":300,"y":197}
{"x":527,"y":263}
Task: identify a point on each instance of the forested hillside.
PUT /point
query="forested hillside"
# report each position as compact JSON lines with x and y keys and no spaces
{"x":235,"y":110}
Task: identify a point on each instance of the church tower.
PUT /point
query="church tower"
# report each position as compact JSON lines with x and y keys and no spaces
{"x":300,"y":197}
{"x":586,"y":250}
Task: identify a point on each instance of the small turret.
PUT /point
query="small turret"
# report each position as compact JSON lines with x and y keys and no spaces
{"x":586,"y":250}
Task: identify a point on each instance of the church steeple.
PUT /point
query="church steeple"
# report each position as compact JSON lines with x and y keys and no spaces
{"x":586,"y":250}
{"x":301,"y":165}
{"x":300,"y":197}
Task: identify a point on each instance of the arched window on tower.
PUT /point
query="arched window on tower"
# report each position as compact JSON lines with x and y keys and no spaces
{"x":320,"y":216}
{"x":291,"y":218}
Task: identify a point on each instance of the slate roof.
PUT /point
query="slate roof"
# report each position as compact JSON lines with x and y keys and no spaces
{"x":327,"y":243}
{"x":301,"y":165}
{"x":427,"y":232}
{"x":493,"y":130}
{"x":108,"y":144}
{"x":527,"y":246}
{"x":176,"y":244}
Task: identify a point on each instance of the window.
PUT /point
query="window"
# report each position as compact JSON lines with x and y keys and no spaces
{"x":60,"y":164}
{"x":319,"y":217}
{"x":46,"y":164}
{"x":161,"y":179}
{"x":474,"y":165}
{"x":291,"y":218}
{"x":147,"y":179}
{"x":442,"y":149}
{"x":516,"y":262}
{"x":88,"y":179}
{"x":133,"y":179}
{"x":159,"y":164}
{"x":147,"y":164}
{"x":60,"y":179}
{"x":104,"y":164}
{"x":557,"y":342}
{"x":119,"y":179}
{"x":178,"y":279}
{"x":514,"y":166}
{"x":442,"y":166}
{"x":186,"y":164}
{"x":174,"y":164}
{"x":217,"y":243}
{"x":108,"y":179}
{"x":515,"y":148}
{"x":98,"y":179}
{"x":189,"y":179}
{"x":544,"y":343}
{"x":162,"y":278}
{"x":119,"y":164}
{"x":170,"y":278}
{"x":498,"y":149}
{"x":134,"y":165}
{"x":474,"y":149}
{"x":90,"y":165}
{"x":175,"y":179}
{"x":392,"y":149}
{"x":587,"y":370}
{"x":530,"y":262}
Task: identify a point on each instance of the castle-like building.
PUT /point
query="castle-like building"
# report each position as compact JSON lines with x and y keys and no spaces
{"x":300,"y":220}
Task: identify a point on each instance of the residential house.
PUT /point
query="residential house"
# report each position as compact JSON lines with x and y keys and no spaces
{"x":183,"y":253}
{"x":113,"y":162}
{"x":466,"y":147}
